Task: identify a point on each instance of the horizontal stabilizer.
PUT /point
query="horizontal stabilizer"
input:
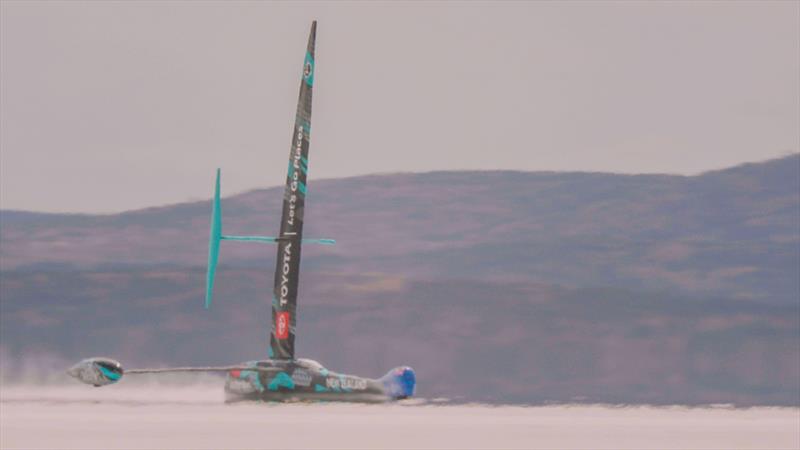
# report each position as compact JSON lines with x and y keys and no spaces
{"x":264,"y":239}
{"x":216,"y":236}
{"x":320,"y":241}
{"x":273,"y":240}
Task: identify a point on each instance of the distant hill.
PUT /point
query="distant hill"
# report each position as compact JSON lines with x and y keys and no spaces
{"x":733,"y":232}
{"x":504,"y":286}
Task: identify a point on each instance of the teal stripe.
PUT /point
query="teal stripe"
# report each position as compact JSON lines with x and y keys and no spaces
{"x":302,"y":187}
{"x":308,"y":70}
{"x":281,"y":380}
{"x":109,"y":374}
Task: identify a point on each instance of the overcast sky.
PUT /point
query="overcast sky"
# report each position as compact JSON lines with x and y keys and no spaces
{"x":113,"y":106}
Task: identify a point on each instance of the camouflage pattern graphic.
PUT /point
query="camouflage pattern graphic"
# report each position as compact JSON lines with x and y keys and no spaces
{"x":305,"y":379}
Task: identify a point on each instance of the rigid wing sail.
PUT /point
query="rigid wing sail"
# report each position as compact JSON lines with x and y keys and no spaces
{"x":287,"y":267}
{"x":281,"y":376}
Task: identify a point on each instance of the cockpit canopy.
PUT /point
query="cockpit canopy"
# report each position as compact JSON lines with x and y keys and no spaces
{"x":309,"y":364}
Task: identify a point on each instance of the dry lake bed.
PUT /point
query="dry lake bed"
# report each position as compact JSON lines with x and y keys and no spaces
{"x":157,"y":417}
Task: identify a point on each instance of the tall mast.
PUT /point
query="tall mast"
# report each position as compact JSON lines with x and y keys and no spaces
{"x":287,"y":267}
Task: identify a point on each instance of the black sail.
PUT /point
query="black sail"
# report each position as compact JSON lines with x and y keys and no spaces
{"x":287,"y":267}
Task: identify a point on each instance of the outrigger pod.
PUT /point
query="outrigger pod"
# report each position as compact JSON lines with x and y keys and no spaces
{"x":216,"y":236}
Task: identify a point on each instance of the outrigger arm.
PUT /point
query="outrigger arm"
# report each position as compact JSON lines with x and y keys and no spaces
{"x":103,"y":371}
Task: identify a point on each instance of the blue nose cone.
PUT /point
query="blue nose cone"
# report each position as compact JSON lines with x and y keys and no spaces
{"x":409,"y":381}
{"x":400,"y":382}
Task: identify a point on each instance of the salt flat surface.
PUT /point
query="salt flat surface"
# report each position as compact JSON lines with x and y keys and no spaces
{"x":155,"y":417}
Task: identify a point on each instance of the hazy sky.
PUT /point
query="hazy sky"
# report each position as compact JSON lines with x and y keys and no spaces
{"x":118,"y":105}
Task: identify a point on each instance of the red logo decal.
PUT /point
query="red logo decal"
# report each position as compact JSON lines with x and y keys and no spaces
{"x":282,"y":325}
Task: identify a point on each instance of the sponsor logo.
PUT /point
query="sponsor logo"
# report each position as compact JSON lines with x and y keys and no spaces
{"x":342,"y":382}
{"x":298,"y":152}
{"x":301,"y":377}
{"x":294,"y":185}
{"x":287,"y":259}
{"x":282,"y":325}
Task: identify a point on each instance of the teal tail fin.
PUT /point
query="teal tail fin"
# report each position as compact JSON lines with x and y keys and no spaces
{"x":216,"y":237}
{"x":213,"y":242}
